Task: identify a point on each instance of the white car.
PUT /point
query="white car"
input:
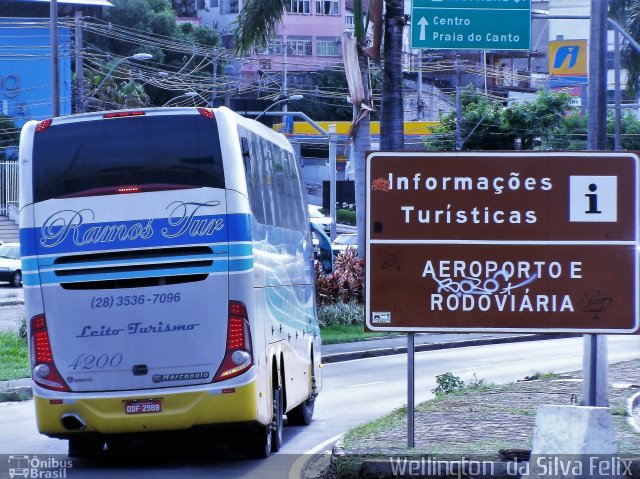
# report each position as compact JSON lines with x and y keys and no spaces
{"x":10,"y":266}
{"x":344,"y":242}
{"x":318,"y":218}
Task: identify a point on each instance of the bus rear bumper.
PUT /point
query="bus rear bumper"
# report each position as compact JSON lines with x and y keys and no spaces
{"x":66,"y":417}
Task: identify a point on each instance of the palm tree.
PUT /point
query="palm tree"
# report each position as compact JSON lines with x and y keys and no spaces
{"x":627,"y":14}
{"x":256,"y":25}
{"x":392,"y":111}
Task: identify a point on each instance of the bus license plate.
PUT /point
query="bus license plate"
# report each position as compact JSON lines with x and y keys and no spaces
{"x":146,"y":406}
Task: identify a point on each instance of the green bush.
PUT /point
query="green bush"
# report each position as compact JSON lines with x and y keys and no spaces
{"x":345,"y":217}
{"x":348,"y":314}
{"x":447,"y":383}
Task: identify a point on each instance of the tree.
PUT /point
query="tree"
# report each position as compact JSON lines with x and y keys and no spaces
{"x":157,"y":19}
{"x":490,"y":125}
{"x":627,"y":14}
{"x":392,"y":111}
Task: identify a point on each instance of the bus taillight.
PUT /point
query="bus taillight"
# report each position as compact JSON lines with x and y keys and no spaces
{"x":239,"y":354}
{"x":43,"y":125}
{"x":44,"y":371}
{"x":206,"y":112}
{"x":124,"y":114}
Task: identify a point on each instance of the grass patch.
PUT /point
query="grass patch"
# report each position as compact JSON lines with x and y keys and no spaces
{"x":14,"y":396}
{"x":375,"y":427}
{"x":14,"y":357}
{"x":342,"y":333}
{"x":619,"y":411}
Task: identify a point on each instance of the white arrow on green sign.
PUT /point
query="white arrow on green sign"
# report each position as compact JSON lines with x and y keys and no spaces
{"x":471,"y":24}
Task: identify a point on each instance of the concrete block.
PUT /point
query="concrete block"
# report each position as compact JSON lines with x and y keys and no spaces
{"x":573,"y":430}
{"x":573,"y":442}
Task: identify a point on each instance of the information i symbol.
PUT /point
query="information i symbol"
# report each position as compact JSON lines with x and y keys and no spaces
{"x":593,"y":200}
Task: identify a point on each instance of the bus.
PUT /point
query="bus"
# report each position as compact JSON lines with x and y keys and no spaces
{"x":168,"y":276}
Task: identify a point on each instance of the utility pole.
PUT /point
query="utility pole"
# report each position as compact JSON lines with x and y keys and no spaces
{"x":597,"y":132}
{"x":284,"y":91}
{"x":214,"y":81}
{"x":55,"y":84}
{"x":332,"y":178}
{"x":79,"y":64}
{"x":420,"y":99}
{"x":617,"y":114}
{"x":458,"y":106}
{"x":595,"y":384}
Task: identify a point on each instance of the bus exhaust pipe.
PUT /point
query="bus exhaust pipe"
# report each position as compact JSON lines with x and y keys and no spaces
{"x":73,"y":422}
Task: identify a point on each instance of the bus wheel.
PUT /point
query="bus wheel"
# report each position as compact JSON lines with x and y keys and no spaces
{"x":302,"y":414}
{"x":276,"y":422}
{"x":85,"y":446}
{"x":259,"y":446}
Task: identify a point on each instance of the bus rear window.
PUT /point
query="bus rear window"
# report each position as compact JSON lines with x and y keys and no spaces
{"x":98,"y":155}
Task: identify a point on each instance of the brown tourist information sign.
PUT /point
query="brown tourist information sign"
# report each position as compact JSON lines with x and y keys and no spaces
{"x":503,"y":242}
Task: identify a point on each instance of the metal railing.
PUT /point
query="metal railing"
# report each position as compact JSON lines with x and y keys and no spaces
{"x":8,"y":186}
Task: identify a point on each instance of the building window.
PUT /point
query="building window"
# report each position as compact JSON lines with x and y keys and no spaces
{"x":328,"y":47}
{"x":213,"y":3}
{"x":299,"y":45}
{"x":274,"y":47}
{"x":327,"y":7}
{"x":348,"y":22}
{"x":229,"y":6}
{"x":298,"y":6}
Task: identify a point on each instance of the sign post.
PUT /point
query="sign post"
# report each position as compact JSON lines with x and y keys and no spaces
{"x":471,"y":24}
{"x":509,"y":242}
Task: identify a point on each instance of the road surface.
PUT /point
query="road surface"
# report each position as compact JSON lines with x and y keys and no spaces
{"x":354,"y":392}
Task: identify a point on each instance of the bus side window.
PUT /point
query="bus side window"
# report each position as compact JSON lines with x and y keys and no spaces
{"x":265,"y":181}
{"x":279,"y":187}
{"x":246,"y":153}
{"x":252,"y":175}
{"x":297,"y":202}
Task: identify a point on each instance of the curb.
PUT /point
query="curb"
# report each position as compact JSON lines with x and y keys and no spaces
{"x":371,"y":353}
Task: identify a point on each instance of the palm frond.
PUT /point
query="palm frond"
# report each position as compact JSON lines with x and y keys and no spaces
{"x":256,"y":24}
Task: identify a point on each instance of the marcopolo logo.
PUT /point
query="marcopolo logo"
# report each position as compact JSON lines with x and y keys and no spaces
{"x":162,"y":378}
{"x":38,"y":467}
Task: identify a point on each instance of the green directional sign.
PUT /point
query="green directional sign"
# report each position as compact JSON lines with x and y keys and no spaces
{"x":471,"y":24}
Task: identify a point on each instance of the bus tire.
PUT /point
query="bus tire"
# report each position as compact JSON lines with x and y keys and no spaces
{"x":277,"y":422}
{"x":85,"y":446}
{"x":302,"y":414}
{"x":259,"y":446}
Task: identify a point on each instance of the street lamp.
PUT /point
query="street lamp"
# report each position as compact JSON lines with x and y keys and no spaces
{"x":135,"y":56}
{"x":189,"y":94}
{"x":282,"y":100}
